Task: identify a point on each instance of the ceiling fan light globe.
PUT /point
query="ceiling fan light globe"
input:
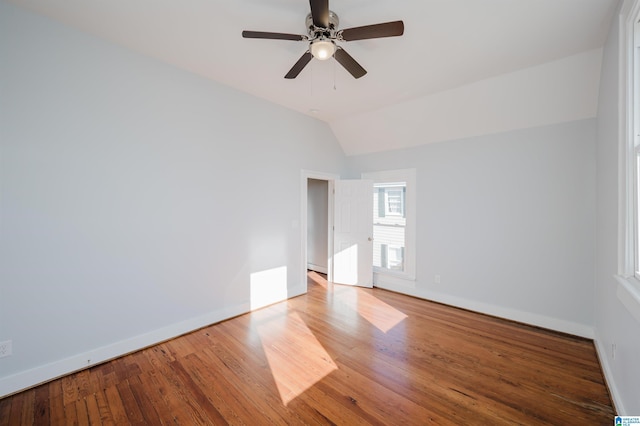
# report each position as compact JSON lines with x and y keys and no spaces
{"x":323,"y":49}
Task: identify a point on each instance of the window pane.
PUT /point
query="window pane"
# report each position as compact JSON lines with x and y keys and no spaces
{"x":637,"y":215}
{"x":394,"y":201}
{"x":396,"y":258}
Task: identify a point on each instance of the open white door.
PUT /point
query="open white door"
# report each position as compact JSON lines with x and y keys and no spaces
{"x":353,"y":233}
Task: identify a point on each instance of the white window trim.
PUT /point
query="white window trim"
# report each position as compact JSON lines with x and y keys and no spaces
{"x":629,"y":286}
{"x":408,"y":176}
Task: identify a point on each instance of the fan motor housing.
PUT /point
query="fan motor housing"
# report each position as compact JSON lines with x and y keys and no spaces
{"x":333,"y":23}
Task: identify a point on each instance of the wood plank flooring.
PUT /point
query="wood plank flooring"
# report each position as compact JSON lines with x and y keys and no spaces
{"x":338,"y":355}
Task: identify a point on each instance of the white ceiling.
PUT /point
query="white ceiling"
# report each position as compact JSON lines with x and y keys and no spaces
{"x":447,"y":44}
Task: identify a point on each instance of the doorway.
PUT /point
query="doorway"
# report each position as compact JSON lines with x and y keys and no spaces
{"x":318,"y":225}
{"x":316,"y":222}
{"x":322,"y":226}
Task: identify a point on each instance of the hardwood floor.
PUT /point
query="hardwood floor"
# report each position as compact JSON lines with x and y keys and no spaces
{"x":338,"y":355}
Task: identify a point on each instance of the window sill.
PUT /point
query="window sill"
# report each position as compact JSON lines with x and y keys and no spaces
{"x":628,"y":293}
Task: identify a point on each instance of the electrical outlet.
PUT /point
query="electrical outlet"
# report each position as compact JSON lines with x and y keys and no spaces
{"x":436,"y":279}
{"x":5,"y":348}
{"x":613,"y":350}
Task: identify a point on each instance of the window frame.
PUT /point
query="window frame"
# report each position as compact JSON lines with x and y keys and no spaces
{"x":633,"y":129}
{"x":628,"y":291}
{"x":384,"y":275}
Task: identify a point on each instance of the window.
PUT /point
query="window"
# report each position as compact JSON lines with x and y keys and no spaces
{"x":394,"y":251}
{"x":389,"y":225}
{"x":630,"y":122}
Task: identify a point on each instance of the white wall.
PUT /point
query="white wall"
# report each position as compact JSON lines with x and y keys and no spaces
{"x":137,"y":201}
{"x":507,"y":221}
{"x":613,"y":323}
{"x":317,"y":224}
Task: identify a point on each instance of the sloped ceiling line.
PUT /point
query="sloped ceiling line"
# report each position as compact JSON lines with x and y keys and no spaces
{"x":453,"y":55}
{"x":555,"y":92}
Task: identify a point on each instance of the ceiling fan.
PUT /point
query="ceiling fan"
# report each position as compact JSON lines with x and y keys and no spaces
{"x":322,"y":34}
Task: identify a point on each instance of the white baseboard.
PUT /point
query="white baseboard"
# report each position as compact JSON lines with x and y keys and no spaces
{"x":550,"y":323}
{"x":317,"y":268}
{"x":608,"y":377}
{"x":383,"y":280}
{"x":41,"y":374}
{"x":296,"y":291}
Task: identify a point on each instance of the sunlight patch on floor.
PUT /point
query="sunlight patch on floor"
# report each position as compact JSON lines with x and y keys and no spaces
{"x":317,"y":278}
{"x":296,"y":358}
{"x":380,"y":314}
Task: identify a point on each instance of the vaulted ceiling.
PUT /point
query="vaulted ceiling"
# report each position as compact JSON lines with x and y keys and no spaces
{"x":462,"y":67}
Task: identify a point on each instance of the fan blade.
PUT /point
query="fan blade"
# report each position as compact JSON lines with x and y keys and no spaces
{"x":320,"y":13}
{"x":273,"y":36}
{"x":302,"y":62}
{"x":349,"y":63}
{"x":388,"y":29}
